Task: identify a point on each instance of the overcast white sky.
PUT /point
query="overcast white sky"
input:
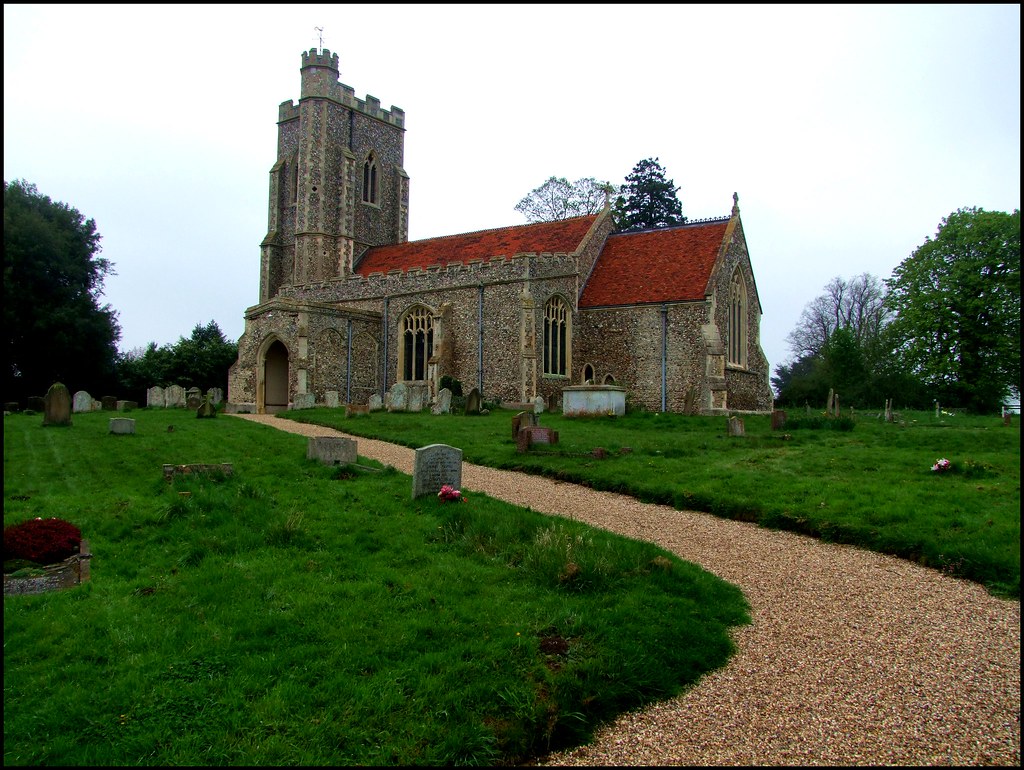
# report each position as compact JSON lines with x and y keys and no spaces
{"x":849,"y":132}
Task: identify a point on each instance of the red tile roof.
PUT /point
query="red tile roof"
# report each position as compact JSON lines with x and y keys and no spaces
{"x":563,"y":236}
{"x":655,"y":265}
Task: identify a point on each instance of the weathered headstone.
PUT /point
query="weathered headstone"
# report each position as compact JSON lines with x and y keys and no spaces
{"x":109,"y":403}
{"x":57,"y":405}
{"x":331,"y":450}
{"x":397,"y":399}
{"x":418,"y":398}
{"x":304,"y":401}
{"x":174,"y":396}
{"x":523,"y":420}
{"x":736,"y":427}
{"x":127,"y":406}
{"x":473,"y":402}
{"x":216,"y":395}
{"x":376,"y":403}
{"x":156,"y":398}
{"x":433,"y":467}
{"x":11,"y":406}
{"x":81,"y":402}
{"x":35,"y":404}
{"x":193,"y":398}
{"x":331,"y":399}
{"x":778,"y":419}
{"x":122,"y":425}
{"x":538,"y":405}
{"x":443,"y":405}
{"x":97,"y":405}
{"x":206,"y":409}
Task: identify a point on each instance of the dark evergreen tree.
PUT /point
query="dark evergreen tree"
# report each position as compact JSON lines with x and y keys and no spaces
{"x":55,"y":329}
{"x":648,"y":199}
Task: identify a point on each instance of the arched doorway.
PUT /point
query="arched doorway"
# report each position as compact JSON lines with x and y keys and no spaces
{"x":275,"y":379}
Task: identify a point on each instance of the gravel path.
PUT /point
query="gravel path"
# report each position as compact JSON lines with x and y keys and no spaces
{"x":853,"y":658}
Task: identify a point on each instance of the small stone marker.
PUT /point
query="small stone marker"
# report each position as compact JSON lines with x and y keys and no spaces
{"x":331,"y":450}
{"x":376,"y":403}
{"x":156,"y":398}
{"x":538,"y":405}
{"x":331,"y":399}
{"x":206,"y":409}
{"x":433,"y":467}
{"x":736,"y":427}
{"x":174,"y":396}
{"x":304,"y":401}
{"x":109,"y":403}
{"x":81,"y":402}
{"x":216,"y":395}
{"x":778,"y":419}
{"x":397,"y":399}
{"x":473,"y":402}
{"x":57,"y":405}
{"x":444,"y":402}
{"x":122,"y":426}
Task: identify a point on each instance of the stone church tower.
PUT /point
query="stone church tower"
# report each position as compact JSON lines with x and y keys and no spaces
{"x":338,"y":186}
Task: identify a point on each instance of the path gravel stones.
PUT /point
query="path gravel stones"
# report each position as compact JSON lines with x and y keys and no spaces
{"x":853,"y":658}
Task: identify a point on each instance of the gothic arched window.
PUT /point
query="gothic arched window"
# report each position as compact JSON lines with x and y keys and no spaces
{"x":417,"y":343}
{"x":370,"y":180}
{"x":557,"y":337}
{"x":737,"y":320}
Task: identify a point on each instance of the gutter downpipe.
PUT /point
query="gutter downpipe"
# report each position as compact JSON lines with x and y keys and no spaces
{"x":664,"y":357}
{"x":480,"y":340}
{"x":384,"y":334}
{"x":348,"y":366}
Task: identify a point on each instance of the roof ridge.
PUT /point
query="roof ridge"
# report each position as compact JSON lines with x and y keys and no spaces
{"x":687,"y":223}
{"x":484,"y":230}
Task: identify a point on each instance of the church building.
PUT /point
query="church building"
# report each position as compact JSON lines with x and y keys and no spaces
{"x":349,"y":306}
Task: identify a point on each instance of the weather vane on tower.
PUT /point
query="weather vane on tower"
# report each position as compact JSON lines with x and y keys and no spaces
{"x":321,"y":31}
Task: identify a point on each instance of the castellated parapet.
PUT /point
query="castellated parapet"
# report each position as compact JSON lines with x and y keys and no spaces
{"x":320,"y":75}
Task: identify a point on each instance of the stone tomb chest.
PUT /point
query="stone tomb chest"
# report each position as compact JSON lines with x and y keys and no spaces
{"x":578,"y":400}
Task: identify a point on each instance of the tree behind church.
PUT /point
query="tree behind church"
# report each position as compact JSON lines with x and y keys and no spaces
{"x":558,"y":198}
{"x":648,"y":199}
{"x":55,"y":329}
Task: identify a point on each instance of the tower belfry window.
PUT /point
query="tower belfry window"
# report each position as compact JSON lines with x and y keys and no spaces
{"x":370,"y":180}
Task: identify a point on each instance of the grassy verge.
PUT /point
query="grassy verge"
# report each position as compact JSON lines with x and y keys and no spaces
{"x":290,"y":614}
{"x":868,"y":483}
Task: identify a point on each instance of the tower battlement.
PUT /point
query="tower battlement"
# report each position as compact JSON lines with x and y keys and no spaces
{"x":320,"y":80}
{"x":327,"y":59}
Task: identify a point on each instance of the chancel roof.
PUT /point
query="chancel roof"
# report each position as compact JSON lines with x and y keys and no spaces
{"x":560,"y":237}
{"x":671,"y":264}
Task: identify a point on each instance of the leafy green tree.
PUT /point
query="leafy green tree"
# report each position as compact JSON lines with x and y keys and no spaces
{"x":55,"y":328}
{"x":957,"y":305}
{"x":558,"y":198}
{"x":141,"y":368}
{"x":648,"y":199}
{"x":203,"y":359}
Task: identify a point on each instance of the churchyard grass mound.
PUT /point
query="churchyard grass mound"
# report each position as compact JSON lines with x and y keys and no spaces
{"x":290,"y":614}
{"x":868,"y":484}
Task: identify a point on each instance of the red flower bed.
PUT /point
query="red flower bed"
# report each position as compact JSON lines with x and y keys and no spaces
{"x":44,"y":541}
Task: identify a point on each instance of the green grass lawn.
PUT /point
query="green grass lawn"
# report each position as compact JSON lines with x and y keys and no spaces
{"x":291,"y":614}
{"x":871,"y":486}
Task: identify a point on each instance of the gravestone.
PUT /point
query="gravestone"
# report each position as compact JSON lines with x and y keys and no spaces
{"x":523,"y":420}
{"x":778,"y":419}
{"x":156,"y":398}
{"x":216,"y":395}
{"x":109,"y":403}
{"x":127,"y":406}
{"x":331,"y":399}
{"x":82,"y":402}
{"x":331,"y":450}
{"x":376,"y":403}
{"x":174,"y":396}
{"x":354,"y":409}
{"x":57,"y":405}
{"x":444,"y":402}
{"x":122,"y":426}
{"x":419,"y":396}
{"x":397,"y":399}
{"x":11,"y":406}
{"x":193,"y":398}
{"x":736,"y":427}
{"x":97,"y":405}
{"x":538,"y":405}
{"x":206,"y":409}
{"x":35,"y":404}
{"x":433,"y":467}
{"x":304,"y":401}
{"x":473,"y":402}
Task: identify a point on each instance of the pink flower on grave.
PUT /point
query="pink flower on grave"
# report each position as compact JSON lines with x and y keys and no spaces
{"x":942,"y":465}
{"x":449,"y":494}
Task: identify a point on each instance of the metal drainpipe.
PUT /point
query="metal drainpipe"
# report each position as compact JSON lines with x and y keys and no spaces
{"x":480,"y":340}
{"x":384,"y":332}
{"x":348,"y":366}
{"x":664,"y":357}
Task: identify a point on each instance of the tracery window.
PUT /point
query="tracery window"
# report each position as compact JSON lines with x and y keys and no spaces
{"x":417,"y":343}
{"x":557,"y":336}
{"x":737,"y":320}
{"x":370,"y":180}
